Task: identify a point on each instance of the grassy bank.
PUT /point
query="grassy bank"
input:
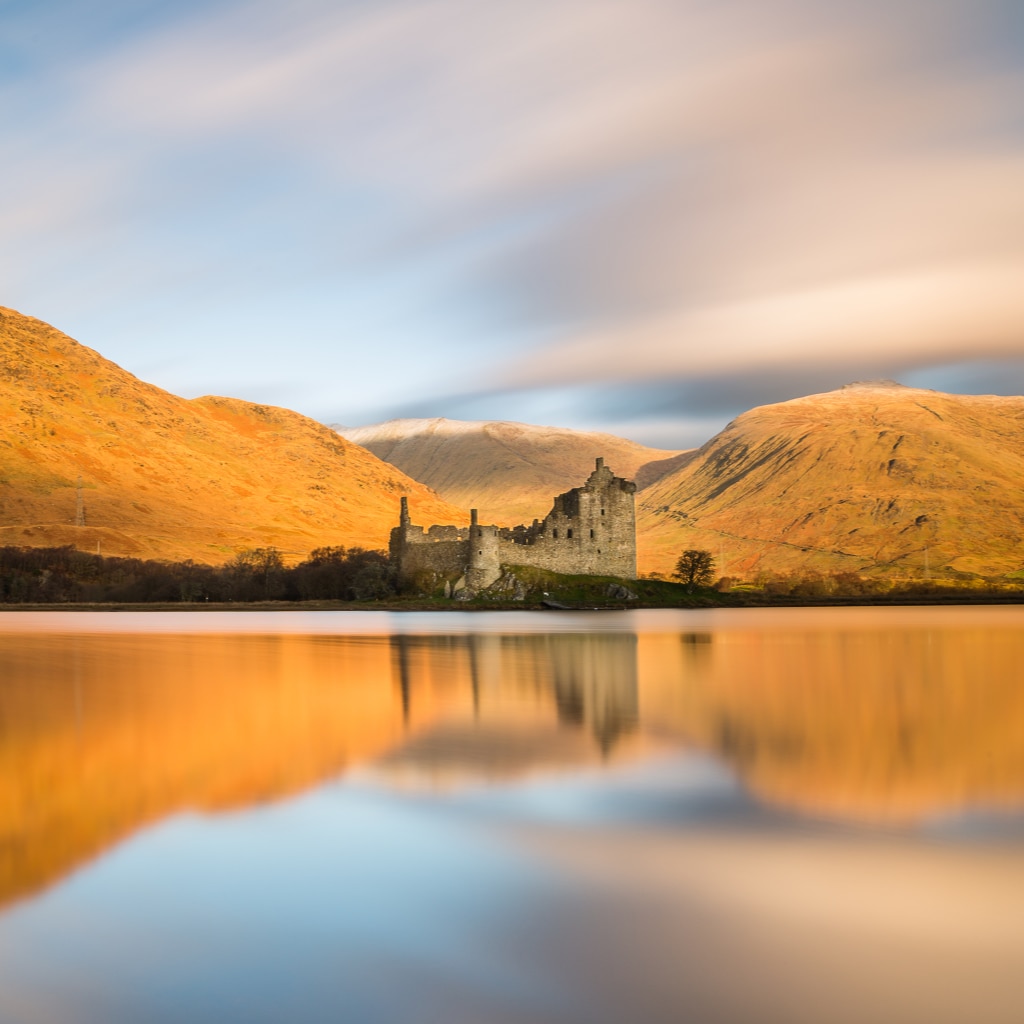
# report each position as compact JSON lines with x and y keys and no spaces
{"x":521,"y":588}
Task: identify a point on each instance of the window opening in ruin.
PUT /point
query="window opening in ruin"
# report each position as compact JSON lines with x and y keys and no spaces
{"x":591,"y":534}
{"x":602,"y":511}
{"x":554,"y":533}
{"x":569,"y":535}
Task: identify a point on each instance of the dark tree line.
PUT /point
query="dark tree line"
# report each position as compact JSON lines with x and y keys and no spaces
{"x":60,"y":575}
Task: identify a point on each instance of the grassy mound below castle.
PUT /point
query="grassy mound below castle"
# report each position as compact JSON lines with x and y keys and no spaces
{"x":525,"y":586}
{"x":532,"y":587}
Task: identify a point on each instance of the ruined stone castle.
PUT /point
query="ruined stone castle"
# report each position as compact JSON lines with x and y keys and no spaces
{"x":590,"y":530}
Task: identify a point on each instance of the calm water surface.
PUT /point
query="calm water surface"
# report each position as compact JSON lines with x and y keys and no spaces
{"x":713,"y":816}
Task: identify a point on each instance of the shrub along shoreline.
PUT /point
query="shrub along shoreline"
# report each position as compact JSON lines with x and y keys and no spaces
{"x":356,"y":579}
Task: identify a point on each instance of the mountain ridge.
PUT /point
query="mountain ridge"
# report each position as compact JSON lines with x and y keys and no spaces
{"x":168,"y":477}
{"x":873,"y":478}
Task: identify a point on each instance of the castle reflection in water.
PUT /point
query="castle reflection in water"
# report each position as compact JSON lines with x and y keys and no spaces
{"x":592,"y":678}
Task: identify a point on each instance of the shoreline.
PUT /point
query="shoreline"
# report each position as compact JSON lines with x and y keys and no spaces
{"x":698,"y":601}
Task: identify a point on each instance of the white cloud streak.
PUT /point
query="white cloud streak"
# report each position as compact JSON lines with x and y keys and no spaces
{"x":927,"y":317}
{"x":653,"y":187}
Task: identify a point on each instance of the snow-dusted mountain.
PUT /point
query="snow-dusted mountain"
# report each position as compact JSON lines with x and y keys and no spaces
{"x":509,"y":471}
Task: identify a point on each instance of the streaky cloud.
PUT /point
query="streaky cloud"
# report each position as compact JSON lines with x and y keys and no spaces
{"x":394,"y":202}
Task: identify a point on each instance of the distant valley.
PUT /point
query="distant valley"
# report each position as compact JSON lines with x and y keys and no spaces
{"x":509,"y":471}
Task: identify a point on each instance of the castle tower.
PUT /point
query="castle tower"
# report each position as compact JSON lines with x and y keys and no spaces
{"x":592,"y":529}
{"x":607,"y":513}
{"x":399,"y":533}
{"x":484,"y":559}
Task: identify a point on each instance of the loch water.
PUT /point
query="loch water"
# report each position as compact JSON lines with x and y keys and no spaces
{"x":763,"y":815}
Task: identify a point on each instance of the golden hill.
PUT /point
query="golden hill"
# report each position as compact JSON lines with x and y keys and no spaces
{"x":873,"y":478}
{"x":509,"y":471}
{"x":165,"y":477}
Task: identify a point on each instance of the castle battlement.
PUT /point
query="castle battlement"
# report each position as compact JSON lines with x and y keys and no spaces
{"x":590,"y":530}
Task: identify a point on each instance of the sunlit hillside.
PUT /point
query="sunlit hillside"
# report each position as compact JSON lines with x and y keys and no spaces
{"x":509,"y":471}
{"x":873,"y":478}
{"x":165,"y":477}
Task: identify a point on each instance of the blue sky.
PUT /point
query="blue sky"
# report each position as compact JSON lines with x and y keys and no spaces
{"x":639,"y":216}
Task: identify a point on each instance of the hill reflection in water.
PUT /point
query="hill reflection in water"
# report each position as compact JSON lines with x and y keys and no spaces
{"x":876,"y":724}
{"x":101,"y":734}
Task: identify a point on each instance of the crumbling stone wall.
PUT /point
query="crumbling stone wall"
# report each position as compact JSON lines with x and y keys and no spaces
{"x":440,"y":550}
{"x":590,"y":530}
